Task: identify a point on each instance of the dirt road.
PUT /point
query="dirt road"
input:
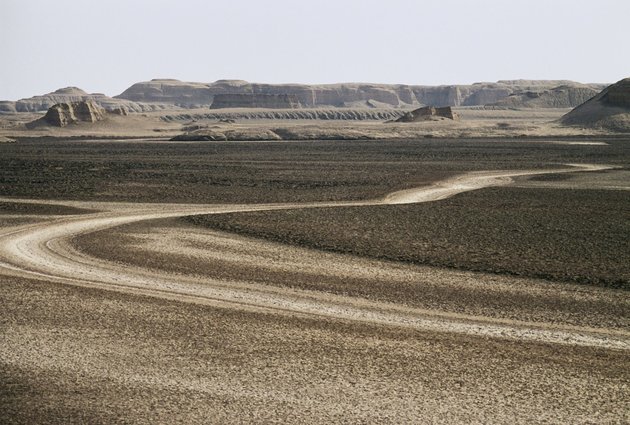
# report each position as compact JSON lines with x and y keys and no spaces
{"x":45,"y":251}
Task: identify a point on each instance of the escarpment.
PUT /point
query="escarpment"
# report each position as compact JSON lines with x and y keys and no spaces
{"x":352,"y":95}
{"x":161,"y":94}
{"x":75,"y":94}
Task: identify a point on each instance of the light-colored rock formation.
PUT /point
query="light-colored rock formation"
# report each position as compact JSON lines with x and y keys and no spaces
{"x":429,"y":113}
{"x":171,"y":91}
{"x":566,"y":96}
{"x":63,"y":114}
{"x":75,"y":94}
{"x":609,"y":110}
{"x":120,"y":110}
{"x":251,"y":100}
{"x":353,"y":95}
{"x":161,"y":94}
{"x":7,"y":106}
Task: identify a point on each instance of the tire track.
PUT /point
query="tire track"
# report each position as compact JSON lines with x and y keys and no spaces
{"x":44,"y":251}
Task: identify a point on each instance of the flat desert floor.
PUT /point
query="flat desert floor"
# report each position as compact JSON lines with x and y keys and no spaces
{"x":395,"y":281}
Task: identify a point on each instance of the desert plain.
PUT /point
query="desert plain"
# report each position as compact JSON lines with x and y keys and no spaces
{"x":306,"y":266}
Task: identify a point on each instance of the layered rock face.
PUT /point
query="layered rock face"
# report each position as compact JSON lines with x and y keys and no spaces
{"x":271,"y":101}
{"x":609,"y":110}
{"x":174,"y":92}
{"x":429,"y":113}
{"x":7,"y":106}
{"x":63,"y":114}
{"x":566,"y":96}
{"x":163,"y":94}
{"x":335,"y":95}
{"x":75,"y":94}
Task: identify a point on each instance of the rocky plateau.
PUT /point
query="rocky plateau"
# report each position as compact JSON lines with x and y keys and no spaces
{"x":164,"y":94}
{"x":75,"y":94}
{"x":193,"y":95}
{"x":565,"y":96}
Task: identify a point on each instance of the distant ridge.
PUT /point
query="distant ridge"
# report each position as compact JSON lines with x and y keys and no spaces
{"x":354,"y":95}
{"x":159,"y":94}
{"x":72,"y":95}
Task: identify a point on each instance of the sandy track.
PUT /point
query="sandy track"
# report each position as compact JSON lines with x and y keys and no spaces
{"x":473,"y":181}
{"x":45,"y":251}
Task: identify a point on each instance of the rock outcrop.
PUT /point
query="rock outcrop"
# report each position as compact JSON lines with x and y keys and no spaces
{"x":354,"y":95}
{"x":251,"y":100}
{"x":429,"y":113}
{"x":566,"y":96}
{"x":120,"y":110}
{"x":7,"y":106}
{"x":163,"y":94}
{"x":63,"y":114}
{"x":175,"y":92}
{"x":609,"y":110}
{"x":75,"y":94}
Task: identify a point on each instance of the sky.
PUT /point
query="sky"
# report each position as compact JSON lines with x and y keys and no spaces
{"x":105,"y":46}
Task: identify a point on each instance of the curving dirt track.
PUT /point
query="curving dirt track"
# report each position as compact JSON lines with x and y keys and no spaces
{"x":45,"y":251}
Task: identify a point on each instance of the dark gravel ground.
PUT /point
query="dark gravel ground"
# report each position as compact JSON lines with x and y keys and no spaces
{"x":39,"y":209}
{"x":249,"y":172}
{"x":581,"y":236}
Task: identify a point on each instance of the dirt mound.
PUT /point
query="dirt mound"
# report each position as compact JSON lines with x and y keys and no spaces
{"x":619,"y":94}
{"x":63,"y":114}
{"x":429,"y":113}
{"x":220,"y":134}
{"x":609,"y":110}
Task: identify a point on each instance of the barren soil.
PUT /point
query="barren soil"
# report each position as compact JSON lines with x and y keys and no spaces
{"x":117,"y":312}
{"x":250,"y":125}
{"x":220,"y":172}
{"x":569,"y":235}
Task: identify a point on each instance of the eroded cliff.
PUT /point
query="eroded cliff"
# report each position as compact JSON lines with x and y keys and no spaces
{"x":336,"y":95}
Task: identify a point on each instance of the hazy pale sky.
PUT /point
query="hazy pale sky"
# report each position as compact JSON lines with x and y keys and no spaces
{"x":105,"y":46}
